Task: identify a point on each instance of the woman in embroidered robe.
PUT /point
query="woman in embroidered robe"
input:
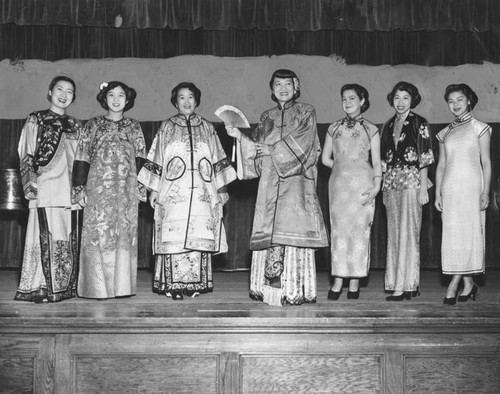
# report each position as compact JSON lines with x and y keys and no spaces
{"x":463,"y":178}
{"x":46,"y":151}
{"x":187,"y":172}
{"x":354,"y":183}
{"x":406,"y":153}
{"x":110,"y":153}
{"x":288,"y":223}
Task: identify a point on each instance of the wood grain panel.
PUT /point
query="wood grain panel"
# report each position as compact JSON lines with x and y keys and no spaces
{"x":452,"y":374}
{"x":126,"y":373}
{"x":17,"y":374}
{"x":311,"y":374}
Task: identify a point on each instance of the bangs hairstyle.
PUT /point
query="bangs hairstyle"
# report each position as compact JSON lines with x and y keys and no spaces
{"x":360,"y":91}
{"x":405,"y":87}
{"x":130,"y":95}
{"x":61,"y":78}
{"x":186,"y":85}
{"x":466,"y":90}
{"x":284,"y":73}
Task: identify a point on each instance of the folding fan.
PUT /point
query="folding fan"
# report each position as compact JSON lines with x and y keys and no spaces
{"x":232,"y":116}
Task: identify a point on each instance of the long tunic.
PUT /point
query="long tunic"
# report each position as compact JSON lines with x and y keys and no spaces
{"x":288,"y":223}
{"x":189,"y":170}
{"x":462,"y":248}
{"x":46,"y":150}
{"x":107,"y":161}
{"x":402,"y":163}
{"x":287,"y":210}
{"x":351,"y":176}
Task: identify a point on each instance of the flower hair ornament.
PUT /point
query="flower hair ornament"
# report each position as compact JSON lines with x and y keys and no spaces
{"x":103,"y":85}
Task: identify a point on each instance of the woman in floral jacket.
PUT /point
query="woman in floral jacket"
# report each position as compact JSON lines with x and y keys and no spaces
{"x":406,"y":154}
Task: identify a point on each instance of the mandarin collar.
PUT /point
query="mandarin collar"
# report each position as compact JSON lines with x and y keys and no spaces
{"x":462,"y":119}
{"x":287,"y":105}
{"x":351,"y":121}
{"x":182,"y":120}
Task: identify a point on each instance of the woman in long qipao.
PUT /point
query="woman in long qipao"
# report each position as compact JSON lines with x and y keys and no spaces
{"x":111,"y":151}
{"x":186,"y":171}
{"x":46,"y":151}
{"x":288,"y":223}
{"x":354,"y":183}
{"x":406,"y":153}
{"x":463,"y":178}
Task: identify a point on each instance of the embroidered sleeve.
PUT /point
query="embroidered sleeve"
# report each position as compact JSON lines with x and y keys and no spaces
{"x":298,"y":151}
{"x":26,"y":151}
{"x":81,"y":165}
{"x":222,"y":169}
{"x":151,"y":172}
{"x":140,"y":156}
{"x":249,"y":165}
{"x":426,"y":155}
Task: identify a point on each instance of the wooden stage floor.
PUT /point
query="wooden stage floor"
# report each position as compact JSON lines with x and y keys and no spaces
{"x":230,"y":306}
{"x":224,"y":342}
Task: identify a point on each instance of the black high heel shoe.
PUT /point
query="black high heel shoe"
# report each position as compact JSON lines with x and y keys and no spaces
{"x":472,"y":294}
{"x":334,"y":295}
{"x":353,"y":295}
{"x":405,"y":295}
{"x":416,"y":292}
{"x":451,"y":300}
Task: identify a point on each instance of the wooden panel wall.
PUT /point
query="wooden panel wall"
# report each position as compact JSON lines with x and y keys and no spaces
{"x":251,"y":362}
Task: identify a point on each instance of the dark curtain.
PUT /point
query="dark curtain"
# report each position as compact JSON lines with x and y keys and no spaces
{"x":426,"y":48}
{"x":296,"y":15}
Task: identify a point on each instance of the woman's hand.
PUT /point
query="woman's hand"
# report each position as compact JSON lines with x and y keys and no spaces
{"x":153,"y":197}
{"x":83,"y":202}
{"x":438,"y":202}
{"x":369,"y":195}
{"x":262,"y":149}
{"x":233,"y":132}
{"x":485,"y":201}
{"x":423,"y":196}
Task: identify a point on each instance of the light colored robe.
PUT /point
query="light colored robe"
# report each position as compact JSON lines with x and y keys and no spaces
{"x":188,"y":168}
{"x":46,"y":151}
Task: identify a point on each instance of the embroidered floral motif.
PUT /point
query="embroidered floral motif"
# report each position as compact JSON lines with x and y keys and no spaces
{"x":63,"y":254}
{"x":426,"y":158}
{"x":410,"y":154}
{"x":52,"y":127}
{"x":205,"y":196}
{"x":389,"y":155}
{"x":424,"y":130}
{"x":401,"y":177}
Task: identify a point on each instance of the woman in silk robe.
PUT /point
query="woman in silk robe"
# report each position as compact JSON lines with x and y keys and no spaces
{"x":186,"y":171}
{"x":406,"y":153}
{"x":463,"y":177}
{"x":352,"y":151}
{"x":110,"y":152}
{"x":46,"y":150}
{"x":288,"y":223}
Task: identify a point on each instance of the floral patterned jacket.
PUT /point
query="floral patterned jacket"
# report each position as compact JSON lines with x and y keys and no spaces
{"x":402,"y":163}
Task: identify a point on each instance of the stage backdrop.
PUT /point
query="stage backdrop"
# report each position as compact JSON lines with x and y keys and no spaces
{"x":243,"y":82}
